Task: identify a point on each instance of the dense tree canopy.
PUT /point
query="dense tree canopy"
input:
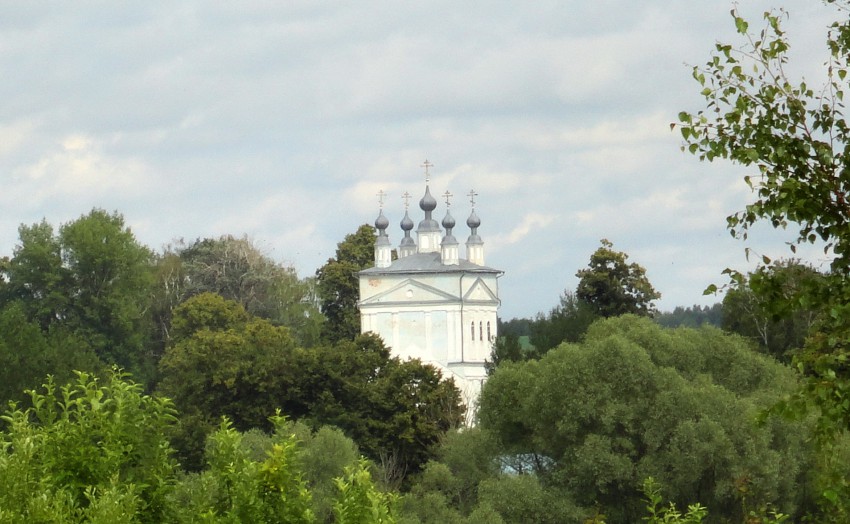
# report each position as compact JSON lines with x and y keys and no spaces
{"x":568,"y":321}
{"x":28,"y":354}
{"x":692,"y":316}
{"x":238,"y":270}
{"x":92,"y":279}
{"x":338,"y":286}
{"x":634,"y":400}
{"x":612,"y":286}
{"x":94,"y":452}
{"x":225,"y":361}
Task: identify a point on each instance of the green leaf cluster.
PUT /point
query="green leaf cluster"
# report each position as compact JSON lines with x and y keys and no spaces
{"x":87,"y":452}
{"x":796,"y":139}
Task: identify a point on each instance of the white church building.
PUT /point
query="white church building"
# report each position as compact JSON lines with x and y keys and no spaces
{"x":430,"y":303}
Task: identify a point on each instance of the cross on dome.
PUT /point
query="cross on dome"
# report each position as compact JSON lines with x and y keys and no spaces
{"x":406,"y":197}
{"x":448,"y":196}
{"x":427,"y":165}
{"x":472,"y":194}
{"x":380,"y":194}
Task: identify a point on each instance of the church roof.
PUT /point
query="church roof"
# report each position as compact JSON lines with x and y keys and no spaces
{"x":428,"y":263}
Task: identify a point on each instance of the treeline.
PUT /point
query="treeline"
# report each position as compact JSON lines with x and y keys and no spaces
{"x":746,"y":309}
{"x":221,"y":330}
{"x":218,"y":338}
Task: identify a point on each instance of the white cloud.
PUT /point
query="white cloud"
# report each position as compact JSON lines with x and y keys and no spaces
{"x":282,"y":120}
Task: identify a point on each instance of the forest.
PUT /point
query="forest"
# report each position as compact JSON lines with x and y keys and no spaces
{"x":207,"y":382}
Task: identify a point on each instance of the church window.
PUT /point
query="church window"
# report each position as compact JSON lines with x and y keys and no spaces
{"x":480,"y":330}
{"x":489,"y":337}
{"x":472,"y":330}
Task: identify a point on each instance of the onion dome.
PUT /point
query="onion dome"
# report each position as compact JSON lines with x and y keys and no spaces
{"x":406,"y":222}
{"x":448,"y":222}
{"x":427,"y":203}
{"x":428,"y":225}
{"x":473,"y":221}
{"x":382,"y":222}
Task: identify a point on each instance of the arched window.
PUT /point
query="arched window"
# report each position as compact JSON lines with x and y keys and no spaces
{"x":480,"y":330}
{"x":472,"y":330}
{"x":489,"y":337}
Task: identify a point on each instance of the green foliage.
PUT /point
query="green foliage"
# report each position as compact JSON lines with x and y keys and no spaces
{"x":567,"y":322}
{"x":521,"y":499}
{"x":92,"y":279}
{"x":237,"y":269}
{"x":281,"y":486}
{"x":506,"y":349}
{"x":110,"y":279}
{"x":28,"y":354}
{"x":35,"y":275}
{"x":520,"y":327}
{"x":612,"y":286}
{"x":237,"y":488}
{"x":338,"y":287}
{"x":96,"y":453}
{"x":751,"y":309}
{"x":796,"y":137}
{"x":86,"y":453}
{"x":636,"y":400}
{"x":223,"y":363}
{"x":659,"y":514}
{"x":360,"y":502}
{"x":395,"y":410}
{"x":694,"y":316}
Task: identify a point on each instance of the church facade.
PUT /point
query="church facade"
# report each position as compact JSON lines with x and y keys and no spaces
{"x":430,"y":303}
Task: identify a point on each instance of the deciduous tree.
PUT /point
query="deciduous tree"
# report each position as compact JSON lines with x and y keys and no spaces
{"x":567,"y":322}
{"x":794,"y":136}
{"x":236,"y":269}
{"x":779,"y":329}
{"x":633,"y":400}
{"x":93,"y":279}
{"x":612,"y":286}
{"x":338,"y":287}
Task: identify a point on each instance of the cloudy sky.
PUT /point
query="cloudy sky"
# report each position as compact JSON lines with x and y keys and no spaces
{"x":282,"y":120}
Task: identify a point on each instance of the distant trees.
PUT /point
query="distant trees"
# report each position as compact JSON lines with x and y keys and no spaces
{"x":612,"y":286}
{"x":28,"y":354}
{"x":94,"y":286}
{"x":609,"y":286}
{"x":692,"y":316}
{"x":566,"y":322}
{"x":236,"y":269}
